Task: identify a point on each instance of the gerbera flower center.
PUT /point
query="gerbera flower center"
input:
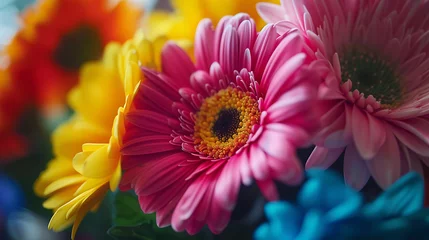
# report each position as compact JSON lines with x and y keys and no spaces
{"x":80,"y":45}
{"x":224,"y":122}
{"x":371,"y":75}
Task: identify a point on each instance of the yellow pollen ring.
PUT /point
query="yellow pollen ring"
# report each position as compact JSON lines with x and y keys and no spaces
{"x":206,"y":140}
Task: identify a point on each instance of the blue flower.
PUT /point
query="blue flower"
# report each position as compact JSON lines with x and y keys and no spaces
{"x":328,"y":209}
{"x":11,"y":197}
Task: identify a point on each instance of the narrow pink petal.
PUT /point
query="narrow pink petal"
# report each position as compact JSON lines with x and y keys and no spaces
{"x":218,"y":35}
{"x":148,"y":145}
{"x":268,"y":190}
{"x":288,"y":49}
{"x":149,"y":120}
{"x":296,"y":135}
{"x":411,"y":141}
{"x":164,"y":215}
{"x":204,"y":42}
{"x":288,"y":171}
{"x":154,"y":100}
{"x":264,"y":46}
{"x":229,"y":50}
{"x":323,"y":157}
{"x":228,"y":185}
{"x":258,"y":163}
{"x":368,"y":132}
{"x":244,"y":168}
{"x":189,"y":201}
{"x":386,"y":165}
{"x":275,"y":143}
{"x":218,"y":218}
{"x":291,"y":103}
{"x":283,"y":27}
{"x":171,"y":56}
{"x":283,"y":77}
{"x":271,"y":13}
{"x":247,"y":35}
{"x":356,"y":173}
{"x":410,"y":161}
{"x":417,"y":126}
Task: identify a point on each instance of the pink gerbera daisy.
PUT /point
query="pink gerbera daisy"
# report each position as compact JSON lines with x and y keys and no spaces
{"x":374,"y":99}
{"x":198,"y":131}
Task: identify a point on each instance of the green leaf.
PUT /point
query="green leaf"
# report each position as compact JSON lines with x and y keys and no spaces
{"x":129,"y":222}
{"x":127,"y":210}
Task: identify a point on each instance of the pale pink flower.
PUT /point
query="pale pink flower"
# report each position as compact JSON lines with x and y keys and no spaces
{"x":198,"y":131}
{"x":374,"y":99}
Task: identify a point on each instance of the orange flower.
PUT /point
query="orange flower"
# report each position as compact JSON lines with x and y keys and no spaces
{"x":12,"y":145}
{"x":58,"y":37}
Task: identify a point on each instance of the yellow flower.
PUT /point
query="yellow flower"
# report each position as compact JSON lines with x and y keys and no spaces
{"x":87,"y":147}
{"x":183,"y":23}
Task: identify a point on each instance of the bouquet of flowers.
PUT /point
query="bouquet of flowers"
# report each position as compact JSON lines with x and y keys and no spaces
{"x":185,"y":117}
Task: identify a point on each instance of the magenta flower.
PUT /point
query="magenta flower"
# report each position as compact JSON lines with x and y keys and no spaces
{"x":198,"y":131}
{"x":374,"y":99}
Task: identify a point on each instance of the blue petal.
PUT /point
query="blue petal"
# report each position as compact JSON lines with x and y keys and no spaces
{"x":404,"y":197}
{"x":313,"y":227}
{"x":349,"y":207}
{"x":326,"y":191}
{"x":285,"y":219}
{"x":263,"y":232}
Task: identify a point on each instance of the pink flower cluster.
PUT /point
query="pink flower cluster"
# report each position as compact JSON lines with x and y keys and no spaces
{"x":351,"y":77}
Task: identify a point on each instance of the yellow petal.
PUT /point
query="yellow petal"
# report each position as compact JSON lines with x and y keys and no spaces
{"x":113,"y":150}
{"x":58,"y":167}
{"x":116,"y":178}
{"x":69,"y":137}
{"x":60,"y":198}
{"x":89,"y":204}
{"x":92,"y":147}
{"x":132,"y":77}
{"x":91,"y":183}
{"x":64,"y":182}
{"x":110,"y":56}
{"x":98,"y":165}
{"x":79,"y":160}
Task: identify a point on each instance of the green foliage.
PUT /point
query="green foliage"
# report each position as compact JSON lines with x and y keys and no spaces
{"x":129,"y":222}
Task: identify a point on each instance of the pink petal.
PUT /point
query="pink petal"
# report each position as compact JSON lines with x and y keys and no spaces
{"x":417,"y":126}
{"x":189,"y":201}
{"x":258,"y":163}
{"x":148,"y":145}
{"x":149,"y":120}
{"x":356,"y":173}
{"x":218,"y":218}
{"x":323,"y":157}
{"x":289,"y":171}
{"x":204,"y":41}
{"x":175,"y":62}
{"x":247,"y":35}
{"x":291,"y":103}
{"x":368,"y":132}
{"x":229,"y":51}
{"x":296,"y":135}
{"x":386,"y":165}
{"x":410,"y":161}
{"x":228,"y":185}
{"x":268,"y":190}
{"x":288,"y":47}
{"x":411,"y":141}
{"x":283,"y":27}
{"x":275,"y":144}
{"x":264,"y":46}
{"x":271,"y":13}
